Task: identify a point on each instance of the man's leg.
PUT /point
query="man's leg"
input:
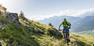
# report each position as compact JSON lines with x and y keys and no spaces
{"x":65,"y":39}
{"x":67,"y":35}
{"x":64,"y":35}
{"x":68,"y":38}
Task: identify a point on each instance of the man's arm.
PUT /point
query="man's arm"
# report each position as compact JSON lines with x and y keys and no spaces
{"x":69,"y":25}
{"x":60,"y":26}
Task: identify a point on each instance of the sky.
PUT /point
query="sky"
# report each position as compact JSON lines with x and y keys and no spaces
{"x":41,"y":9}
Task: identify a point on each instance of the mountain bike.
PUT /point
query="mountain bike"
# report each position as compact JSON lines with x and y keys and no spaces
{"x":66,"y":37}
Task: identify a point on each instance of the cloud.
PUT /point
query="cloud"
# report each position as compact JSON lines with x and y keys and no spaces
{"x":71,"y":12}
{"x":17,"y":5}
{"x":11,"y":2}
{"x":13,"y":5}
{"x":76,"y":13}
{"x":68,"y":12}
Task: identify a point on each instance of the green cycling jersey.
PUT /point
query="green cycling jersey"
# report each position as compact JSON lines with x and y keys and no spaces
{"x":65,"y":24}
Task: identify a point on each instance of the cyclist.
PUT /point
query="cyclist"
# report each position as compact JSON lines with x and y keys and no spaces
{"x":66,"y":26}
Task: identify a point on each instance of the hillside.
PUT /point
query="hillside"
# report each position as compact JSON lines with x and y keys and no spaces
{"x":31,"y":33}
{"x":19,"y":31}
{"x":26,"y":33}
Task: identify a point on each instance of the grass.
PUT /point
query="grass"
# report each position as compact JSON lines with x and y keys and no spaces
{"x":31,"y":33}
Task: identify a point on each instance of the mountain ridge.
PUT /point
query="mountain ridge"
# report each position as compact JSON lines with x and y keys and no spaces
{"x":85,"y":20}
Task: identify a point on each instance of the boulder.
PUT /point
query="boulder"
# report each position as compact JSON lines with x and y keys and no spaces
{"x":13,"y":18}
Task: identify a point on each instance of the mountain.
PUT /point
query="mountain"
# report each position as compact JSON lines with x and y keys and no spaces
{"x":17,"y":30}
{"x":85,"y":22}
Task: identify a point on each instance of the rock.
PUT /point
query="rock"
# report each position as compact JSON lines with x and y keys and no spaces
{"x":8,"y":17}
{"x":13,"y":18}
{"x":2,"y":10}
{"x":2,"y":26}
{"x":38,"y":31}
